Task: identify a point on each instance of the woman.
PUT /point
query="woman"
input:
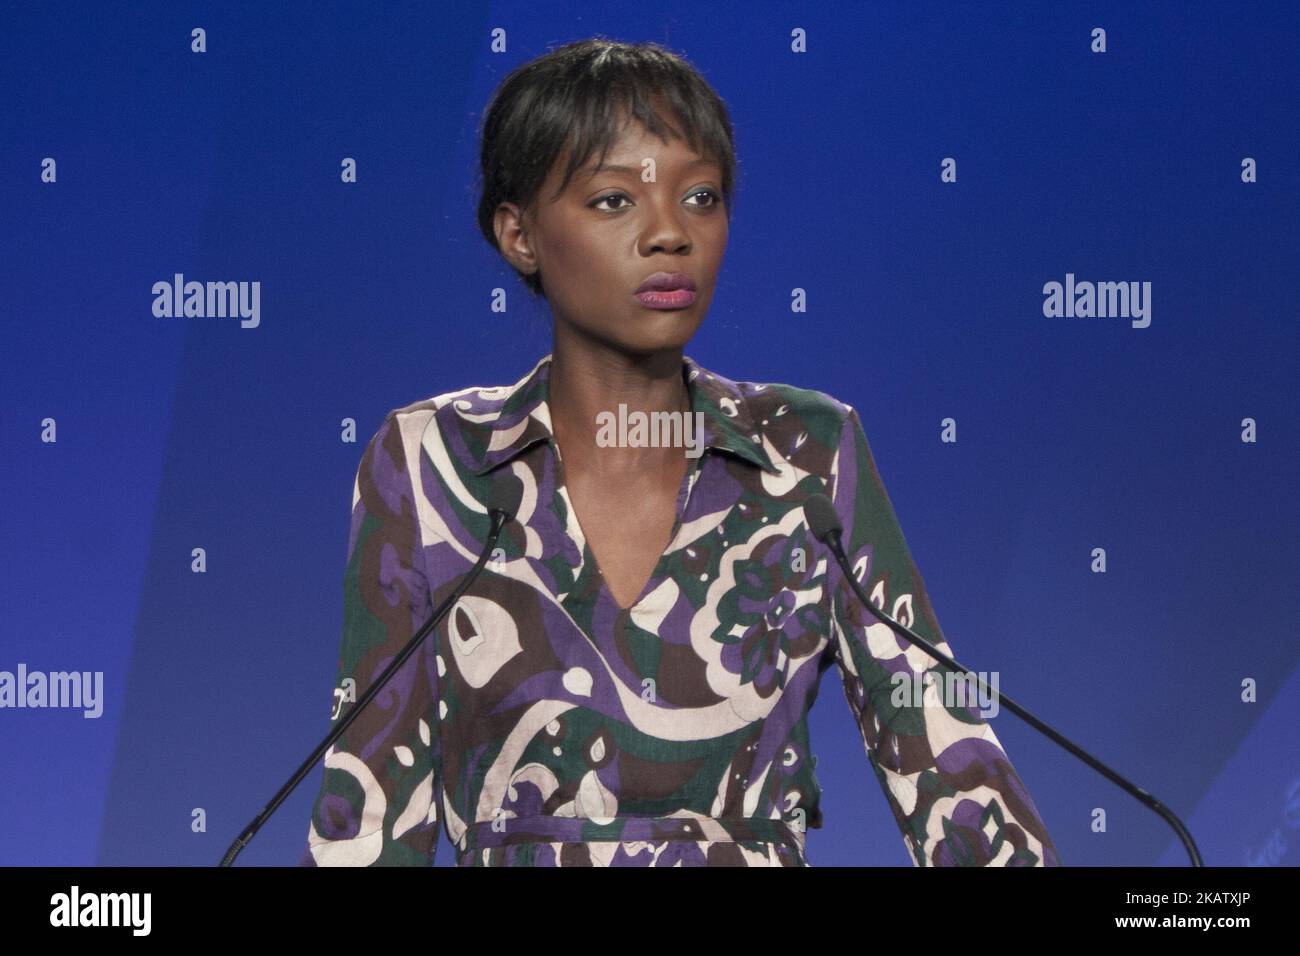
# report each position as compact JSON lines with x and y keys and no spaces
{"x":629,"y":683}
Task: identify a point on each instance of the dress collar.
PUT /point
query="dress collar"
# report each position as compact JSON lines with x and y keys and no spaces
{"x":517,"y":416}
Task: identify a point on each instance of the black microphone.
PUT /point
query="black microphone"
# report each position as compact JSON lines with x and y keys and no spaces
{"x":503,"y":502}
{"x":825,"y":526}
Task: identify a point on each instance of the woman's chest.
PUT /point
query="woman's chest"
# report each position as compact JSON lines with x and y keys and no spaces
{"x":733,"y":608}
{"x":624,"y":523}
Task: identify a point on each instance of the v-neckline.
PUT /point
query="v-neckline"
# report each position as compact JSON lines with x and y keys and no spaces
{"x":589,"y":560}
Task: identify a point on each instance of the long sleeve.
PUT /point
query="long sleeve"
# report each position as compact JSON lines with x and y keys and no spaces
{"x":377,"y":804}
{"x":952,"y":789}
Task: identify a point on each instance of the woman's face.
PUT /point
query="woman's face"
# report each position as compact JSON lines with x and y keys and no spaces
{"x":609,"y":231}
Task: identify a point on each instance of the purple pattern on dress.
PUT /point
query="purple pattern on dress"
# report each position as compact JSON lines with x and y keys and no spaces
{"x":541,"y":724}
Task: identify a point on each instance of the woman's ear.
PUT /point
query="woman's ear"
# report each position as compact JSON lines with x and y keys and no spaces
{"x":513,"y":240}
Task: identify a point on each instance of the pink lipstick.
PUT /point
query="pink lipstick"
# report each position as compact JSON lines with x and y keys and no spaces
{"x":667,"y":290}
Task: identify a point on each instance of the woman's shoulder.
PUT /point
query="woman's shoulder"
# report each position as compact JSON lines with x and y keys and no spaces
{"x":765,"y":401}
{"x":472,"y":401}
{"x":455,"y":429}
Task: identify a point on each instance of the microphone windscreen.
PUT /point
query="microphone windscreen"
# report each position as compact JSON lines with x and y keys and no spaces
{"x":822,"y":519}
{"x":506,"y":494}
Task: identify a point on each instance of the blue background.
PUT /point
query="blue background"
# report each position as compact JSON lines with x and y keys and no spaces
{"x":925,"y":302}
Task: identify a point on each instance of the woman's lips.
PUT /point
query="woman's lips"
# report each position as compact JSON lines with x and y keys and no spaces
{"x":676,"y":299}
{"x":666,"y":282}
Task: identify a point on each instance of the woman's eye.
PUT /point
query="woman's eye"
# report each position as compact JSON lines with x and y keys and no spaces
{"x":608,"y":198}
{"x":713,"y":196}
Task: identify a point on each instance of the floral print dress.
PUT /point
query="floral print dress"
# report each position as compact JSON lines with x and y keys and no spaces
{"x":542,"y":724}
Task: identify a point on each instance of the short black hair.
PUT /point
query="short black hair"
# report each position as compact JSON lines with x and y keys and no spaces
{"x":574,"y":96}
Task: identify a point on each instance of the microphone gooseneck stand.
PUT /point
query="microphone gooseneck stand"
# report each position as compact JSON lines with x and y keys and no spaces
{"x":503,"y":503}
{"x":826,"y":527}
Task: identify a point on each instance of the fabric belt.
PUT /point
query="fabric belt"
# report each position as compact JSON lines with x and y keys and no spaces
{"x":550,"y":829}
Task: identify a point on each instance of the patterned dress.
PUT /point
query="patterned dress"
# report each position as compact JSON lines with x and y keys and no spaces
{"x":543,"y":725}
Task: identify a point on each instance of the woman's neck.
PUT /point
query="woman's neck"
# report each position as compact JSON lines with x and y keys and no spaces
{"x":586,"y":383}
